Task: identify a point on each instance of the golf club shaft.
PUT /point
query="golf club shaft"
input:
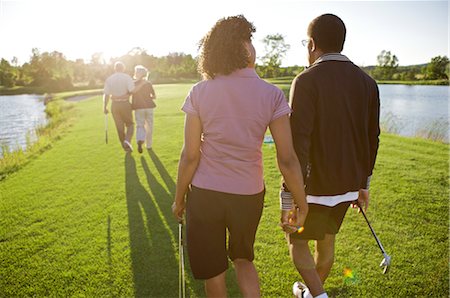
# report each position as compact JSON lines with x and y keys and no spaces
{"x":373,"y":232}
{"x":179,"y":262}
{"x":106,"y":128}
{"x":181,"y":276}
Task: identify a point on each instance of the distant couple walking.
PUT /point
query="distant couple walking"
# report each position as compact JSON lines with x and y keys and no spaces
{"x":118,"y":87}
{"x":326,"y":143}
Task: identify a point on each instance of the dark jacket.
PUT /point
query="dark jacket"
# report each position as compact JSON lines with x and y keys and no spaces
{"x":335,"y":126}
{"x":143,"y":99}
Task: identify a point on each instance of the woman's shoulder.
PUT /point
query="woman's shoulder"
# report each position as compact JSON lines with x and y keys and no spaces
{"x":270,"y":87}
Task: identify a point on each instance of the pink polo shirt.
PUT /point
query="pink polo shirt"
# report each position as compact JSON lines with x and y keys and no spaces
{"x":235,"y":111}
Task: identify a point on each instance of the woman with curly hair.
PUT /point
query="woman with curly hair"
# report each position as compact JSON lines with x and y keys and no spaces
{"x":220,"y":171}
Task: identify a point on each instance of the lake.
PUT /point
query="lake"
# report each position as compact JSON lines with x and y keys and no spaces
{"x":19,"y":116}
{"x":414,"y":110}
{"x":405,"y":110}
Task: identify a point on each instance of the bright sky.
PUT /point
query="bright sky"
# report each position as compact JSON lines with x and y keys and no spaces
{"x":415,"y":31}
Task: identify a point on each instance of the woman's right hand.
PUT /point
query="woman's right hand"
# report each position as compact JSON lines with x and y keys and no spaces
{"x":178,"y":209}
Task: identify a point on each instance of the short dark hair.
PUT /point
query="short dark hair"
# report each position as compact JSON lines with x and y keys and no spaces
{"x":328,"y":32}
{"x":222,"y":49}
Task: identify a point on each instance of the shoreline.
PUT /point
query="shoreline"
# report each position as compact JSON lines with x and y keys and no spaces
{"x":59,"y":111}
{"x":416,"y":83}
{"x":287,"y":80}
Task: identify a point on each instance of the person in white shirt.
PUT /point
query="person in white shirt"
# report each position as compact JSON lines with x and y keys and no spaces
{"x":118,"y":87}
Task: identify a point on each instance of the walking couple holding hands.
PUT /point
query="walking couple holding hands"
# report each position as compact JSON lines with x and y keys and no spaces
{"x":326,"y":140}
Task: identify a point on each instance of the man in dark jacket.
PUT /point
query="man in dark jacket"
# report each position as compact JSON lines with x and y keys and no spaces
{"x":335,"y":129}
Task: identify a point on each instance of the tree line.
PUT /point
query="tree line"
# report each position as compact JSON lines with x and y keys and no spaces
{"x":52,"y":71}
{"x":388,"y":68}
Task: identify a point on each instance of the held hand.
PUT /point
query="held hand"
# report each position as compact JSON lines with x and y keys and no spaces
{"x":285,"y":220}
{"x":293,"y":220}
{"x":178,"y":210}
{"x":105,"y":111}
{"x":363,"y":200}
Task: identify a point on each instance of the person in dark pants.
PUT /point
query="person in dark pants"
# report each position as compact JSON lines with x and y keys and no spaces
{"x":335,"y":129}
{"x":221,"y":166}
{"x":118,"y":87}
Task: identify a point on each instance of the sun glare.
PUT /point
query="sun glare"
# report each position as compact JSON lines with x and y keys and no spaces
{"x":81,"y":28}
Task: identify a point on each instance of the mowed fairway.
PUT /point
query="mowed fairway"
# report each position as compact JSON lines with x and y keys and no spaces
{"x":85,"y":219}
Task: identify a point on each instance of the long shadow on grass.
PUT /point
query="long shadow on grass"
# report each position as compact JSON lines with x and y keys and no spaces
{"x":155,"y":267}
{"x":163,"y":172}
{"x":165,"y":199}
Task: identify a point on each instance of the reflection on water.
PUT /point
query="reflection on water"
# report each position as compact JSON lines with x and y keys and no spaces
{"x":414,"y":110}
{"x":19,"y":116}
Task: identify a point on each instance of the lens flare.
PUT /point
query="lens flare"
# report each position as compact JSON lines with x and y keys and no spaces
{"x":348,"y":273}
{"x":350,"y":276}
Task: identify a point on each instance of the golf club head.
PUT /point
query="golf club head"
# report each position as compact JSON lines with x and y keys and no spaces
{"x":385,"y":263}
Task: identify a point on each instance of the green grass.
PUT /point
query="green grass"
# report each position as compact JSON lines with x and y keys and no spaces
{"x":84,"y":219}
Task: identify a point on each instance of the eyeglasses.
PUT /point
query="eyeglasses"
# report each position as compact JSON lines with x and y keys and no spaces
{"x":305,"y":42}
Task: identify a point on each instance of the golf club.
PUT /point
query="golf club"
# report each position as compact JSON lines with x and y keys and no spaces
{"x":106,"y":128}
{"x":181,"y":277}
{"x":386,"y":262}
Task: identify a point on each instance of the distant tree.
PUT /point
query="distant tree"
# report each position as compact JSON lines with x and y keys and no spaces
{"x":447,"y":71}
{"x":437,"y":69}
{"x":97,"y":58}
{"x":98,"y":70}
{"x":408,"y":75}
{"x":15,"y":61}
{"x":7,"y":74}
{"x":386,"y":67}
{"x":275,"y":49}
{"x":386,"y":59}
{"x":80,"y":71}
{"x":173,"y":66}
{"x":50,"y":70}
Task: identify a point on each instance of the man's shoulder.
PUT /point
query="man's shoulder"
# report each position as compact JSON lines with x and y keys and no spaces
{"x":316,"y":71}
{"x":306,"y":75}
{"x":367,"y":76}
{"x":120,"y":76}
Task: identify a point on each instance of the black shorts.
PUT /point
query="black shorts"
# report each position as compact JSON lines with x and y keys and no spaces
{"x":208,"y":216}
{"x":322,"y":220}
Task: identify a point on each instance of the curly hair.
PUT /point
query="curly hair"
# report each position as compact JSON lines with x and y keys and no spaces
{"x":222,"y":49}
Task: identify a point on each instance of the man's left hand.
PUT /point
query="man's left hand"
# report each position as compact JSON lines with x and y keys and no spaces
{"x":363,"y":200}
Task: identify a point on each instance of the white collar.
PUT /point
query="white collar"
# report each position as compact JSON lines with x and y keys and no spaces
{"x":331,"y":57}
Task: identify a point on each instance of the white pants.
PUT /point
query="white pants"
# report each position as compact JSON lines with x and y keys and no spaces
{"x":144,"y":126}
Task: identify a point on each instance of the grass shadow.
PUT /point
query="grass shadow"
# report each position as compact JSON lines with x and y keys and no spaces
{"x":343,"y":291}
{"x":154,"y":263}
{"x":163,"y":172}
{"x":164,"y":199}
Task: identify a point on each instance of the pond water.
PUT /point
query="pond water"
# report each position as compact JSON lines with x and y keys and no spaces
{"x":415,"y":110}
{"x":19,"y":116}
